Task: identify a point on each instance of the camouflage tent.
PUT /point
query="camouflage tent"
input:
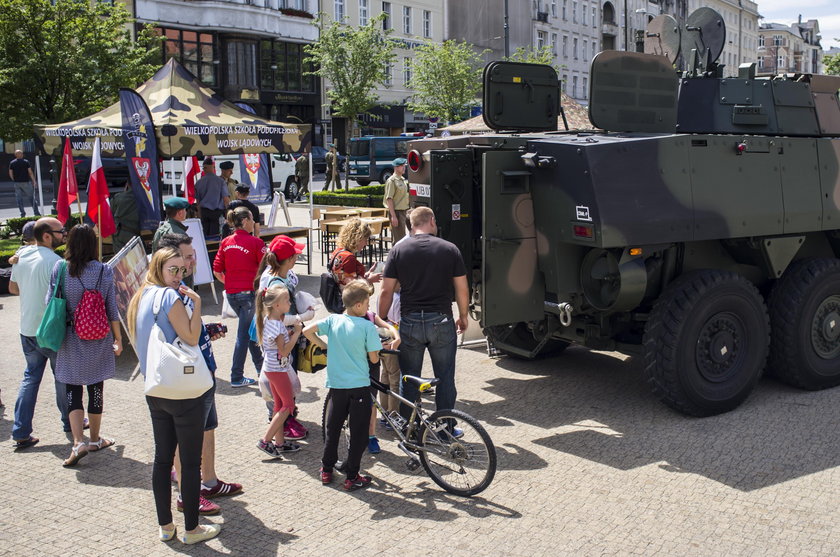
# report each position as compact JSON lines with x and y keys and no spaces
{"x":188,"y":118}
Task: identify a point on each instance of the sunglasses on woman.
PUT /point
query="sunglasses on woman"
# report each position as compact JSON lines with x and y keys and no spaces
{"x":182,"y":271}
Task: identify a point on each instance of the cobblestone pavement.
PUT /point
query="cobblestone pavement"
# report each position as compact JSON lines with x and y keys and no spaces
{"x":589,"y":463}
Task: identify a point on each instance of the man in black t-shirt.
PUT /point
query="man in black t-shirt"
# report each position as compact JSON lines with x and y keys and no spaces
{"x":431,"y":274}
{"x":20,"y":172}
{"x":241,"y":192}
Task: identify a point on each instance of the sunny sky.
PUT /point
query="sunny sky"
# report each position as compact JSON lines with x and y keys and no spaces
{"x":786,"y":11}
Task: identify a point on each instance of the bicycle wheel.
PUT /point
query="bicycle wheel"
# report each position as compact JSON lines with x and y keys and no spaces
{"x":462,"y":466}
{"x":343,"y":439}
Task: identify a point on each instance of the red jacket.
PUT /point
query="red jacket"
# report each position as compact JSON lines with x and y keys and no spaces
{"x":238,"y":258}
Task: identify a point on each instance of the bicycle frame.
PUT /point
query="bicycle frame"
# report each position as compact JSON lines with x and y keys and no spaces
{"x":418,"y":415}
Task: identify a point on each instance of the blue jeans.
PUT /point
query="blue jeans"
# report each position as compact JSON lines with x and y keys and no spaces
{"x":36,"y":361}
{"x":436,"y":332}
{"x":25,"y":194}
{"x":243,"y":304}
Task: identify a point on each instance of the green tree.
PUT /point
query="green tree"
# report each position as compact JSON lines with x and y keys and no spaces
{"x":66,"y":59}
{"x":528,"y":55}
{"x":446,"y":79}
{"x":355,"y":62}
{"x":832,"y":64}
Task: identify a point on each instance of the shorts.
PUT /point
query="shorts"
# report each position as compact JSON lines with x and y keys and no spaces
{"x":212,"y":420}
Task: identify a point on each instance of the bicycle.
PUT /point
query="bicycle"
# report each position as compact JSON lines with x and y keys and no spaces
{"x":463,"y":465}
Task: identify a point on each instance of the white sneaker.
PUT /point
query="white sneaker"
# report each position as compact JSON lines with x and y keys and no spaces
{"x":204,"y":532}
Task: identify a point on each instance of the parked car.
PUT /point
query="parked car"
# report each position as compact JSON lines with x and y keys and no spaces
{"x":372,"y":158}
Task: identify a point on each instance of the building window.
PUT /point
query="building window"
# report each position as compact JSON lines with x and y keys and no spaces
{"x":564,"y":9}
{"x":565,"y":81}
{"x":575,"y":49}
{"x":574,"y":12}
{"x":585,"y":93}
{"x":363,"y":13}
{"x":594,"y":48}
{"x":609,"y":14}
{"x":574,"y":86}
{"x":242,"y":64}
{"x":594,"y":17}
{"x":565,"y":46}
{"x":583,"y":46}
{"x":386,"y":9}
{"x":781,"y":62}
{"x":554,"y":44}
{"x":196,"y":51}
{"x":283,"y":67}
{"x":553,"y":8}
{"x":540,"y":40}
{"x":389,"y":73}
{"x":761,"y":41}
{"x":777,"y":40}
{"x":427,"y":24}
{"x":294,"y":4}
{"x":407,"y":20}
{"x":339,"y":10}
{"x":407,"y":72}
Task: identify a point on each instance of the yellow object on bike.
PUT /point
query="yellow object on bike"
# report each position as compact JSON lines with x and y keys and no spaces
{"x":425,"y":387}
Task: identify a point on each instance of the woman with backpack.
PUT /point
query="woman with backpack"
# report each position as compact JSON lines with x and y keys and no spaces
{"x":87,"y":355}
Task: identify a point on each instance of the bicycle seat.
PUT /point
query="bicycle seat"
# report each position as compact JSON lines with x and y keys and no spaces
{"x":422,"y":384}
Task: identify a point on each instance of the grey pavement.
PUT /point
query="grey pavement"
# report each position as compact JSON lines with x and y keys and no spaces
{"x":589,"y":464}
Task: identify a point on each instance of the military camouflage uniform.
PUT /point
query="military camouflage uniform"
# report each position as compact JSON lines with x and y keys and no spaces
{"x":333,"y":176}
{"x":302,"y":174}
{"x":169,"y":226}
{"x":231,"y":186}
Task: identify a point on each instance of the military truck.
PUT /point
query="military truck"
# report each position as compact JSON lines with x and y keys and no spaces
{"x":697,"y":226}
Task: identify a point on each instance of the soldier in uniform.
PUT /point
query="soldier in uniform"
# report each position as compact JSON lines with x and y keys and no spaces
{"x":227,"y":172}
{"x":302,"y":174}
{"x":176,"y":214}
{"x":211,"y":192}
{"x":396,"y":199}
{"x":332,"y":175}
{"x":126,"y":217}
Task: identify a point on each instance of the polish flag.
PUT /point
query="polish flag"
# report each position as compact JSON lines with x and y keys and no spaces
{"x":98,"y":209}
{"x":68,"y":188}
{"x":190,"y":177}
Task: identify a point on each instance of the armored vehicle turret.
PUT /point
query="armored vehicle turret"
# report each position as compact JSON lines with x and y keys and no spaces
{"x":696,"y":226}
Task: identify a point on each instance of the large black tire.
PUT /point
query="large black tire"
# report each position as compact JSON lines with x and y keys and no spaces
{"x":706,"y":342}
{"x":291,"y":189}
{"x":463,"y":466}
{"x":520,"y":336}
{"x":363,"y":182}
{"x":384,"y":175}
{"x":343,"y":440}
{"x":805,"y":324}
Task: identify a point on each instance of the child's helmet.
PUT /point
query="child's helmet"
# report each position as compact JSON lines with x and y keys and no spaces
{"x":311,"y":359}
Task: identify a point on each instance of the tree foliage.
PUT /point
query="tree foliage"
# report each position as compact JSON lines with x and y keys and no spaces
{"x":64,"y":60}
{"x":528,"y":55}
{"x":446,"y":79}
{"x":354,"y":62}
{"x":832,"y":64}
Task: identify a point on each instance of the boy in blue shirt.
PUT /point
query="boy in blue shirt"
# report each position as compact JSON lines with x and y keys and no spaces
{"x":353,"y":341}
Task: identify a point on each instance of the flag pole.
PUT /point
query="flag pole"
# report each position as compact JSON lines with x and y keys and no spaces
{"x":99,"y":225}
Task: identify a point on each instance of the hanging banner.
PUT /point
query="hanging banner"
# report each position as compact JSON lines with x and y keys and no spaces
{"x":253,"y":171}
{"x":142,"y":157}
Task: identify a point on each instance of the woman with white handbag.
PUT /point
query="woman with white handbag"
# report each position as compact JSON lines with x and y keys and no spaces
{"x":177,"y":380}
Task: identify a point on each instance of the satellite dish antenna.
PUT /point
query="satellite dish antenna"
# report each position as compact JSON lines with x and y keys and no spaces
{"x":663,"y":37}
{"x":705,"y":32}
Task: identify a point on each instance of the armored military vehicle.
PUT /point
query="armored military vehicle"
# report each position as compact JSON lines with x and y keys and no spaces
{"x":696,"y":227}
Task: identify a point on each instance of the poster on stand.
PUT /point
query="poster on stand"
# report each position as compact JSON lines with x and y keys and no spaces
{"x":130,"y":266}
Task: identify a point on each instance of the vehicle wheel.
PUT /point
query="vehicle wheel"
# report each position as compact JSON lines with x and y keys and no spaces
{"x":291,"y":188}
{"x":343,"y":439}
{"x":706,"y":342}
{"x":519,"y":336}
{"x":383,"y":177}
{"x":463,"y":466}
{"x":363,"y":182}
{"x":805,"y":325}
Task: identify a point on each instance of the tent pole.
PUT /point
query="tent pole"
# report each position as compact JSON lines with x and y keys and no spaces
{"x":40,"y":187}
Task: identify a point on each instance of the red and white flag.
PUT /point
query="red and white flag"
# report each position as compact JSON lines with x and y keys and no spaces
{"x":190,"y":177}
{"x":68,"y":188}
{"x":98,"y":209}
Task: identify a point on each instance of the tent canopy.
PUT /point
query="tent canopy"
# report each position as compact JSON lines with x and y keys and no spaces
{"x":188,"y":118}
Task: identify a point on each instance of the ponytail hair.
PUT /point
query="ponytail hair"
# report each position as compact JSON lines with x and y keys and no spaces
{"x":236,"y":217}
{"x":266,"y":298}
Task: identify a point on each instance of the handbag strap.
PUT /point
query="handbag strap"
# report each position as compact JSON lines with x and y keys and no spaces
{"x":62,"y":270}
{"x":157,"y":301}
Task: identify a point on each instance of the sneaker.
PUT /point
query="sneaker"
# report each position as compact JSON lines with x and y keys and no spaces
{"x":385,"y":424}
{"x":326,"y":477}
{"x":373,"y":446}
{"x":293,"y":434}
{"x":204,"y":506}
{"x":358,"y":482}
{"x":268,"y":448}
{"x":244,"y":382}
{"x":457,"y":432}
{"x":220,"y":489}
{"x":204,"y":532}
{"x":287,"y":447}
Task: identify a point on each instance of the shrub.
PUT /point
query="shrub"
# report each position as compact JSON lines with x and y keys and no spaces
{"x":348,"y":199}
{"x":15,"y":224}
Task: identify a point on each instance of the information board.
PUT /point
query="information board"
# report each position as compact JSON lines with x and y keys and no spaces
{"x":203,"y":271}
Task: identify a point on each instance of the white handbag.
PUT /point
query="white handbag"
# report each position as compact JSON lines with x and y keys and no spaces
{"x":176,"y":370}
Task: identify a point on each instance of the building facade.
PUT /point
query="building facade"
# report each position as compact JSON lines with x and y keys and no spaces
{"x":791,"y":48}
{"x":249,"y":51}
